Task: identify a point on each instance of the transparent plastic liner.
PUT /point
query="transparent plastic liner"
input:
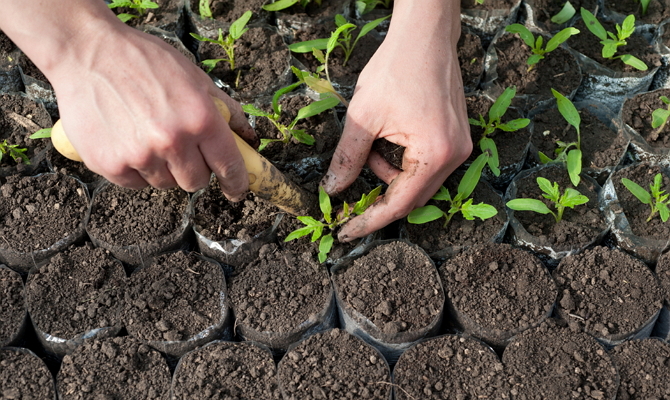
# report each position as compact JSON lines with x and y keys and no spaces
{"x":139,"y":254}
{"x":28,"y":352}
{"x":487,"y":23}
{"x":662,"y":327}
{"x":18,"y":336}
{"x":390,"y":345}
{"x":645,"y":248}
{"x":532,"y":21}
{"x":520,"y":236}
{"x":662,"y":77}
{"x":23,"y":263}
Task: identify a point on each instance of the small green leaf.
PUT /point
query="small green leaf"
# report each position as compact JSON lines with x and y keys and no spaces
{"x":298,"y":233}
{"x":514,"y":125}
{"x":609,"y":48}
{"x":500,"y":106}
{"x":593,"y":24}
{"x":559,"y":38}
{"x":279,"y":5}
{"x":370,"y":26}
{"x":205,"y":10}
{"x":482,"y":210}
{"x":318,"y":231}
{"x":237,"y":28}
{"x":317,"y":107}
{"x":659,"y":117}
{"x":567,"y":110}
{"x":324,"y":204}
{"x":252,"y":110}
{"x":41,"y":134}
{"x":324,"y":247}
{"x":309,"y":221}
{"x":572,"y":198}
{"x":528,"y":205}
{"x":475,"y":122}
{"x":265,"y":142}
{"x":319,"y":85}
{"x":637,"y":190}
{"x":302,"y":136}
{"x":211,"y":64}
{"x":627,"y":27}
{"x":424,"y":214}
{"x":543,"y":158}
{"x":550,"y":190}
{"x":308,"y":46}
{"x":574,"y":165}
{"x":634,"y":62}
{"x":126,"y":17}
{"x":471,"y":177}
{"x":442,"y":194}
{"x":534,"y":59}
{"x":663,"y":211}
{"x":567,"y":12}
{"x":488,"y":146}
{"x":332,"y":41}
{"x":523,"y":32}
{"x":665,"y":100}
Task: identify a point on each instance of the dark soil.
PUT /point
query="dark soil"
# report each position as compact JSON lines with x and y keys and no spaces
{"x":644,"y":369}
{"x":6,"y":45}
{"x":579,"y":226}
{"x":261,"y":58}
{"x":601,"y":146}
{"x":488,"y":5}
{"x":114,"y":368}
{"x":471,"y":60}
{"x":277,"y":293}
{"x":226,"y":370}
{"x":314,"y":11}
{"x":434,"y":236}
{"x":229,"y":11}
{"x":552,"y":363}
{"x":589,"y":45}
{"x":607,"y":293}
{"x":24,"y":376}
{"x":12,"y":305}
{"x":389,"y":151}
{"x":334,"y":365}
{"x":66,"y":166}
{"x":497,"y":291}
{"x":395,"y":286}
{"x":37,"y":212}
{"x":637,"y":212}
{"x":544,"y":10}
{"x":636,"y":112}
{"x":658,"y":11}
{"x":165,"y":16}
{"x":663,"y":273}
{"x":447,"y":366}
{"x":175,"y":298}
{"x":83,"y":286}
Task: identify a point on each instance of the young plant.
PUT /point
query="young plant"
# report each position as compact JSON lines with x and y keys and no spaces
{"x":570,"y":198}
{"x":330,"y":222}
{"x":365,"y":6}
{"x":535,"y":44}
{"x":284,"y":4}
{"x":14,"y":151}
{"x":659,"y":117}
{"x":656,"y":198}
{"x":205,"y":11}
{"x":644,"y":4}
{"x":41,"y":134}
{"x":322,"y":86}
{"x":289,"y":131}
{"x":567,"y":12}
{"x":496,"y":112}
{"x":140,"y":5}
{"x":237,"y":29}
{"x":460,"y":203}
{"x":565,"y":152}
{"x":611,"y":42}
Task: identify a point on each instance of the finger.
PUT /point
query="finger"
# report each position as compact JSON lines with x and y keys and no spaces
{"x":158,"y":176}
{"x":130,"y":179}
{"x":382,"y":168}
{"x":189,"y":169}
{"x":238,"y":120}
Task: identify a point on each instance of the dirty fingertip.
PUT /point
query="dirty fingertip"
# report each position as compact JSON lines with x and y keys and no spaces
{"x":328,"y":182}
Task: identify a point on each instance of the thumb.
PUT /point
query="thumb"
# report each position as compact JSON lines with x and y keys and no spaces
{"x":238,"y":121}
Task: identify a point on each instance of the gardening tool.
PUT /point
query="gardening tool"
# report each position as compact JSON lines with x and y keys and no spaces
{"x":265,"y":180}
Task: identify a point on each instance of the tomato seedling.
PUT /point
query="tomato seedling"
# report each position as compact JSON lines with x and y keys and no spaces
{"x":237,"y":29}
{"x":365,"y":6}
{"x":13,"y":150}
{"x":659,"y":117}
{"x":140,"y":5}
{"x":567,"y":12}
{"x":284,"y":4}
{"x":535,"y":44}
{"x":656,"y":198}
{"x":570,"y":198}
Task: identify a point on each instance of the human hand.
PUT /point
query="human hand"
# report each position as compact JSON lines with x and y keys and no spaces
{"x":411,"y":94}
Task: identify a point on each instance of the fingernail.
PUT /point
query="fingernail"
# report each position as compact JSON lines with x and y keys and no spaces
{"x":328,"y":182}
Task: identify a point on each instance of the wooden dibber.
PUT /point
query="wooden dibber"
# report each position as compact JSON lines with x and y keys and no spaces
{"x":265,"y":180}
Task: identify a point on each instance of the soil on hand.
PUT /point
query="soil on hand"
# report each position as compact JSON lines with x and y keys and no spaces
{"x":637,"y":212}
{"x":548,"y":362}
{"x":79,"y":290}
{"x":391,"y":152}
{"x":227,"y":370}
{"x":471,"y":60}
{"x":12,"y":305}
{"x":657,"y":11}
{"x":637,"y":113}
{"x":114,"y":368}
{"x":24,"y":375}
{"x":579,"y":226}
{"x":261,"y":58}
{"x":229,"y":11}
{"x":446,"y":365}
{"x":175,"y":298}
{"x":643,"y":368}
{"x":37,"y":212}
{"x":587,"y":299}
{"x":334,"y":365}
{"x":544,"y":10}
{"x":497,"y":291}
{"x":601,"y":146}
{"x":20,"y":117}
{"x":395,"y":286}
{"x":279,"y":291}
{"x":434,"y":236}
{"x":589,"y":44}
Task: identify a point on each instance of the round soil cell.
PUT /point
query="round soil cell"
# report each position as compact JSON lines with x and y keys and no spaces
{"x":23,"y":375}
{"x":225,"y":370}
{"x":607,"y":293}
{"x":334,"y":365}
{"x":114,"y":368}
{"x":644,"y":367}
{"x":637,"y":113}
{"x":12,"y":306}
{"x":663,"y":273}
{"x":471,"y":59}
{"x":497,"y":291}
{"x":450,"y":367}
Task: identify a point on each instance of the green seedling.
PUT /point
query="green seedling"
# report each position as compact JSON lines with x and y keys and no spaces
{"x":237,"y":29}
{"x":611,"y":42}
{"x":570,"y":198}
{"x":205,"y":10}
{"x":365,"y":6}
{"x":567,"y":12}
{"x":496,"y":112}
{"x":659,"y":117}
{"x":322,"y":86}
{"x":656,"y":198}
{"x":140,"y":5}
{"x":14,"y":151}
{"x":644,"y":4}
{"x":284,"y":4}
{"x":460,"y":203}
{"x":289,"y":131}
{"x":535,"y":44}
{"x":41,"y":134}
{"x":330,"y":222}
{"x":565,"y":152}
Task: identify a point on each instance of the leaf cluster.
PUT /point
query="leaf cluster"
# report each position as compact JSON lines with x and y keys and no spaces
{"x":496,"y":112}
{"x":656,"y":198}
{"x":365,"y":6}
{"x":535,"y":44}
{"x":236,"y":30}
{"x":140,"y":5}
{"x":284,"y":4}
{"x":570,"y":198}
{"x":330,"y":222}
{"x":13,"y":150}
{"x":461,"y":202}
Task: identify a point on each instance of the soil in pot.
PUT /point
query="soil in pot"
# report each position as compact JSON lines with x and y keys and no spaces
{"x":229,"y":10}
{"x":447,"y":365}
{"x":608,"y":293}
{"x":471,"y":59}
{"x":551,"y":363}
{"x":334,"y":365}
{"x":496,"y":291}
{"x":178,"y":298}
{"x":663,"y":273}
{"x":224,"y":370}
{"x":24,"y":375}
{"x":544,"y":10}
{"x":643,"y":368}
{"x":314,"y":11}
{"x":12,"y":306}
{"x":637,"y":113}
{"x":658,"y":11}
{"x":167,"y":16}
{"x":280,"y":297}
{"x":65,"y":166}
{"x":78,"y":291}
{"x":114,"y":368}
